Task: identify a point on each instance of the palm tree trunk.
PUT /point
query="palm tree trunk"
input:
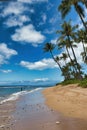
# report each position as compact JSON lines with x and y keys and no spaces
{"x":85,"y":2}
{"x":84,"y":49}
{"x":55,"y":60}
{"x":74,"y":57}
{"x":72,"y":49}
{"x":81,"y":17}
{"x":71,"y":61}
{"x":68,"y":54}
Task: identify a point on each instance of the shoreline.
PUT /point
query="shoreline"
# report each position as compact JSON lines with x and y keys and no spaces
{"x":70,"y":100}
{"x":31,"y":112}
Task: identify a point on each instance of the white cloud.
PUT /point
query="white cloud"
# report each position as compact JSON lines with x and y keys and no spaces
{"x":49,"y":31}
{"x":15,"y":14}
{"x":6,"y":53}
{"x":32,"y":1}
{"x":54,"y":41}
{"x":44,"y":17}
{"x":39,"y":65}
{"x":13,"y":8}
{"x":50,"y":64}
{"x":78,"y":50}
{"x":41,"y":80}
{"x":6,"y":71}
{"x":28,"y":34}
{"x":54,"y":19}
{"x":16,"y":20}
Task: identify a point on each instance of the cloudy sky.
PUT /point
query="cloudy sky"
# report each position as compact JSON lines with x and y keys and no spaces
{"x":25,"y":26}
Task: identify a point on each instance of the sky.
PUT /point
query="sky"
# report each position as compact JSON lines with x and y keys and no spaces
{"x":25,"y":27}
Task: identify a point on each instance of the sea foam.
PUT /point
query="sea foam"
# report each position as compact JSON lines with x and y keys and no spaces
{"x":15,"y":96}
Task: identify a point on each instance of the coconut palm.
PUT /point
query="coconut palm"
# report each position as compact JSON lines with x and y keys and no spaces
{"x":67,"y":30}
{"x":82,"y":37}
{"x":57,"y":59}
{"x":72,"y":71}
{"x":49,"y":47}
{"x":68,"y":33}
{"x":64,"y":57}
{"x":64,"y":44}
{"x":66,"y":72}
{"x":66,"y":6}
{"x":84,"y":2}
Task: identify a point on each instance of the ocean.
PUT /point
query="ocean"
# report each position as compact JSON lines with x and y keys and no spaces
{"x":8,"y":93}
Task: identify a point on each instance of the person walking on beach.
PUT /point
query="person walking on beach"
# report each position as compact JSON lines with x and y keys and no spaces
{"x":21,"y":89}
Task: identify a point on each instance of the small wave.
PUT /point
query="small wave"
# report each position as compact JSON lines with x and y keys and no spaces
{"x":34,"y":90}
{"x":15,"y":96}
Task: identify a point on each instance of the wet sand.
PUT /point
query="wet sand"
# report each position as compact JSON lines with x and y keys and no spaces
{"x":6,"y":110}
{"x":31,"y":113}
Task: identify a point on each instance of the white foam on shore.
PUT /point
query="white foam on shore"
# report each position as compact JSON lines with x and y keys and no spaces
{"x":15,"y":96}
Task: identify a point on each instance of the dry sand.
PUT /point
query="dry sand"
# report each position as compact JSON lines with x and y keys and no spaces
{"x":70,"y":100}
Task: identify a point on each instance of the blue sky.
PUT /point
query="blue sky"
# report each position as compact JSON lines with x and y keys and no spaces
{"x":26,"y":25}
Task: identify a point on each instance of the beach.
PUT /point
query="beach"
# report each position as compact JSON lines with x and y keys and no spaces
{"x":34,"y":111}
{"x":71,"y":100}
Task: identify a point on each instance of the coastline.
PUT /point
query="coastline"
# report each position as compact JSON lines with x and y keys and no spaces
{"x":70,"y":100}
{"x":29,"y":111}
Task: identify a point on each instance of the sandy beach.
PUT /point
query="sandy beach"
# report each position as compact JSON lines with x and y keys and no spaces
{"x":70,"y":100}
{"x":30,"y":112}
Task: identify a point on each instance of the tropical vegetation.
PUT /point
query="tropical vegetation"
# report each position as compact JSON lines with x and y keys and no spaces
{"x":69,"y":37}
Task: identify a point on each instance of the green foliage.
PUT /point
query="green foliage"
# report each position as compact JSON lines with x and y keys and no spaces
{"x":71,"y":70}
{"x":71,"y":81}
{"x":83,"y":83}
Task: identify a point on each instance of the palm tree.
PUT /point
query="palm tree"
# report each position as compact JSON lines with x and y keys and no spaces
{"x":68,"y":33}
{"x":49,"y":47}
{"x":84,"y":2}
{"x":64,"y":43}
{"x":72,"y":64}
{"x":57,"y":59}
{"x":66,"y":6}
{"x":66,"y":72}
{"x":72,"y":71}
{"x":64,"y":57}
{"x":82,"y":37}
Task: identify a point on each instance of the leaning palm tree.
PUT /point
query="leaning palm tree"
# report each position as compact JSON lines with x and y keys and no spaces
{"x":49,"y":47}
{"x":84,"y":2}
{"x":57,"y":59}
{"x":68,"y":32}
{"x":66,"y":6}
{"x":82,"y":37}
{"x":66,"y":72}
{"x":65,"y":44}
{"x":64,"y":57}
